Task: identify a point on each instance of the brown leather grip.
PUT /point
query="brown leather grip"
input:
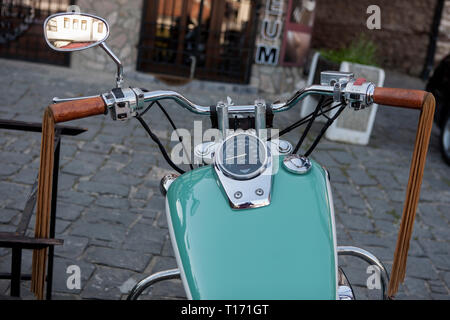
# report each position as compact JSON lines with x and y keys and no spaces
{"x":413,"y":99}
{"x":77,"y":109}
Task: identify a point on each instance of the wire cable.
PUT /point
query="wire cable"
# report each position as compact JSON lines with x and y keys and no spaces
{"x":161,"y":147}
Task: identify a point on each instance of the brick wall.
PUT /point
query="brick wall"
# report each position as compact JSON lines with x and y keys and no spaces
{"x":402,"y":40}
{"x":443,"y":44}
{"x":124,"y":18}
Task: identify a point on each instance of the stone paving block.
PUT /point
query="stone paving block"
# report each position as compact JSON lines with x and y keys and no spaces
{"x":338,"y":175}
{"x":343,"y":157}
{"x":157,"y":203}
{"x":418,"y":286}
{"x":431,"y":246}
{"x":72,"y":248}
{"x":385,"y":226}
{"x":163,"y":263}
{"x":97,"y":215}
{"x":372,"y":239}
{"x":61,"y":274}
{"x":145,"y":238}
{"x":136,"y":168}
{"x":118,"y":258}
{"x":441,"y":233}
{"x":422,"y":231}
{"x":354,"y":222}
{"x":8,"y":169}
{"x":436,"y":196}
{"x":430,"y":215}
{"x":440,"y":261}
{"x":68,"y":211}
{"x":112,"y":202}
{"x":79,"y":168}
{"x":421,"y":268}
{"x":61,"y":226}
{"x":436,"y":286}
{"x":325,"y":159}
{"x":385,"y":210}
{"x":15,"y":158}
{"x":105,"y":283}
{"x":170,"y":288}
{"x":103,"y":188}
{"x":360,"y":177}
{"x":90,"y":157}
{"x":168,"y":249}
{"x":114,"y":177}
{"x":75,"y":197}
{"x":105,"y":231}
{"x":373,"y":192}
{"x":66,"y":181}
{"x":6,"y":215}
{"x":446,"y":277}
{"x":385,"y":178}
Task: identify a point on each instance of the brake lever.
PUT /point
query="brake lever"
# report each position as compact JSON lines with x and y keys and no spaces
{"x":59,"y":100}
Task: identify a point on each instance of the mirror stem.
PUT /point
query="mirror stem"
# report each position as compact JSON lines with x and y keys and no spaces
{"x":119,"y":77}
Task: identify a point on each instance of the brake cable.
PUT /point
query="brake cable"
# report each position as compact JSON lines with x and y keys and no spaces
{"x":158,"y":142}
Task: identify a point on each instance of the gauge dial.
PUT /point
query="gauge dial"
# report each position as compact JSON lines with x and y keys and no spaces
{"x":242,"y":156}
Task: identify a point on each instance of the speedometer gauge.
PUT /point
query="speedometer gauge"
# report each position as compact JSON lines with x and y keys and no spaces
{"x":242,"y":156}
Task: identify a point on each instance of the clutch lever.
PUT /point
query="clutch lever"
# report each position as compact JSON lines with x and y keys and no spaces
{"x":59,"y":100}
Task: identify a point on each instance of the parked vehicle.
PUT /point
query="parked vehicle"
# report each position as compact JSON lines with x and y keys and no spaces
{"x":253,"y":220}
{"x":439,"y":85}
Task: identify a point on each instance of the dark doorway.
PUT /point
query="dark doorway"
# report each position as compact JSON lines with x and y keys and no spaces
{"x":206,"y":39}
{"x":21,"y":30}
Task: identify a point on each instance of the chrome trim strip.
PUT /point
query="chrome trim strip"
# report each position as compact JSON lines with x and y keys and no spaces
{"x":176,"y":251}
{"x":333,"y":230}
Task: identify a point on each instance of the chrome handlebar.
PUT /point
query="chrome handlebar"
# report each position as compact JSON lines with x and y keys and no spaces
{"x":357,"y":96}
{"x":124,"y":103}
{"x":232,"y":109}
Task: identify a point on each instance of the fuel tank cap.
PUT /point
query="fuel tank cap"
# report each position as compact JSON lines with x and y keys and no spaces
{"x":297,"y":164}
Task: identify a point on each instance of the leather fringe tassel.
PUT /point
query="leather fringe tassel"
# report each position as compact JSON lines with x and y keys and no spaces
{"x":412,"y":194}
{"x":44,"y":198}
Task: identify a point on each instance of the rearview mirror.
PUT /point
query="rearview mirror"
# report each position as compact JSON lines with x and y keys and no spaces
{"x":74,"y":31}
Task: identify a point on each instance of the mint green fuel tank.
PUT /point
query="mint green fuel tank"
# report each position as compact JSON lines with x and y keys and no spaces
{"x":286,"y":250}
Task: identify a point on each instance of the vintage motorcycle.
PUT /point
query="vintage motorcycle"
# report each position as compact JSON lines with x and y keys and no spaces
{"x":255,"y":220}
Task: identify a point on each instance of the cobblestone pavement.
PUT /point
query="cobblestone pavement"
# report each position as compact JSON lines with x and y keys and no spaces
{"x":110,"y":211}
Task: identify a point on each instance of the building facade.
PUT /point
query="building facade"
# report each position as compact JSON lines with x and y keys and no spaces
{"x":264,"y":43}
